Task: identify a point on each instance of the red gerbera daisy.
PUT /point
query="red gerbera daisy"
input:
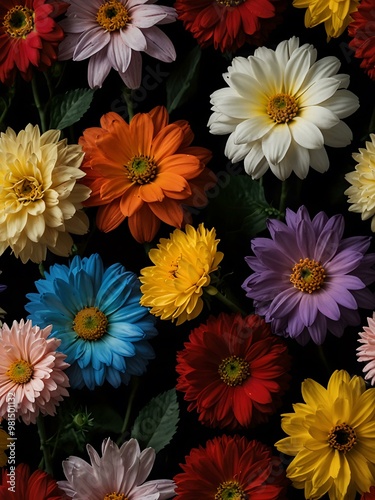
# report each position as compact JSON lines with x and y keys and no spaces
{"x":370,"y":495}
{"x":233,"y":371}
{"x":19,"y":484}
{"x":29,"y":36}
{"x":228,"y":24}
{"x":362,"y":29}
{"x":231,"y":467}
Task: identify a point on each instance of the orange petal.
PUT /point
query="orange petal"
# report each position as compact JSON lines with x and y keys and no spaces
{"x":203,"y":154}
{"x":188,"y":133}
{"x":173,"y":184}
{"x":131,"y":202}
{"x":184,"y":165}
{"x":160,"y":118}
{"x":169,"y":211}
{"x":166,"y":142}
{"x":151,"y":192}
{"x":109,"y":217}
{"x":143,"y":225}
{"x":142,"y":130}
{"x":114,"y":188}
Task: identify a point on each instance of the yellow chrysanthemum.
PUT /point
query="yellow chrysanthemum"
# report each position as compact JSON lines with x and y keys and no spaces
{"x":332,"y":438}
{"x":40,"y":200}
{"x":335,"y":14}
{"x":362,"y":190}
{"x":4,"y":441}
{"x":173,"y":286}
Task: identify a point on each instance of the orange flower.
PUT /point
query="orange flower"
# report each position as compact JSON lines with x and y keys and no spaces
{"x":146,"y":171}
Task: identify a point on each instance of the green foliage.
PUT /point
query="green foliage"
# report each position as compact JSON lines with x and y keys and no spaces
{"x":156,"y":423}
{"x":67,"y":109}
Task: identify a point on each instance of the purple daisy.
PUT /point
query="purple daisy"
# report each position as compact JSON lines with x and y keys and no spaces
{"x":112,"y":33}
{"x":308,"y":279}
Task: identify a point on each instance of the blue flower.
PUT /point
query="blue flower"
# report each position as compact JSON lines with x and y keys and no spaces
{"x":97,"y":315}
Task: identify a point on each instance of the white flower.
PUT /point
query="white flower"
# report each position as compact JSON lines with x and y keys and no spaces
{"x":281,"y":108}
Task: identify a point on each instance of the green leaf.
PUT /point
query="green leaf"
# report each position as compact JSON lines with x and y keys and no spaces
{"x":106,"y":419}
{"x":182,"y":83}
{"x":68,"y":108}
{"x":156,"y":423}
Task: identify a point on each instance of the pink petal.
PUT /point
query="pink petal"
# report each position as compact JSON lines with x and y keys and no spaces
{"x":159,"y":45}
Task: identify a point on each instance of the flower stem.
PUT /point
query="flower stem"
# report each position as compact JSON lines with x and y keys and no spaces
{"x":38,"y":105}
{"x":211,"y":290}
{"x":44,"y":446}
{"x":127,"y":95}
{"x":283,"y":197}
{"x":134,"y":387}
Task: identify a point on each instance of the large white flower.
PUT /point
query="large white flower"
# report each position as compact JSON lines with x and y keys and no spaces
{"x":281,"y":107}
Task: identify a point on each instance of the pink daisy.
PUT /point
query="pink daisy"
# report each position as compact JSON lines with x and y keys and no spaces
{"x":118,"y":473}
{"x":366,"y":352}
{"x":112,"y":33}
{"x":32,"y":377}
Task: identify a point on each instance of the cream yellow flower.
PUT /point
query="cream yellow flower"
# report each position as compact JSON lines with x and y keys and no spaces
{"x":335,"y":14}
{"x":332,"y":437}
{"x":40,"y":200}
{"x":173,"y":286}
{"x":362,"y":190}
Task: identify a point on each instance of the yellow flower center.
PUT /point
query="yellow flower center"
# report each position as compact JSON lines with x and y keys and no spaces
{"x":90,"y":323}
{"x":18,"y":21}
{"x":230,"y":3}
{"x":20,"y":371}
{"x":308,"y":275}
{"x":230,"y":490}
{"x":115,"y":496}
{"x":141,"y":169}
{"x":28,"y":189}
{"x":234,"y":371}
{"x":282,"y":108}
{"x":113,"y":15}
{"x":342,"y":437}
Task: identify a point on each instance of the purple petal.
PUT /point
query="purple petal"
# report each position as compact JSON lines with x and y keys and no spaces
{"x":267,"y":285}
{"x":147,"y":16}
{"x":308,"y":308}
{"x":326,"y":245}
{"x":67,"y":47}
{"x":319,"y":222}
{"x":90,"y":43}
{"x":98,"y":69}
{"x":119,"y":54}
{"x":132,"y":76}
{"x":348,"y":281}
{"x":341,"y":295}
{"x":295,"y":323}
{"x":318,"y":330}
{"x":284,"y":302}
{"x":365,"y":299}
{"x":306,"y":239}
{"x":159,"y":45}
{"x":343,"y":263}
{"x":133,"y":37}
{"x":327,"y":305}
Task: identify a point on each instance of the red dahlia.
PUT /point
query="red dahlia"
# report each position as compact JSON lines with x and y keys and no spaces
{"x":362,"y":29}
{"x":370,"y":495}
{"x":29,"y":36}
{"x":228,"y":24}
{"x":37,"y":486}
{"x":231,"y":467}
{"x":233,"y":371}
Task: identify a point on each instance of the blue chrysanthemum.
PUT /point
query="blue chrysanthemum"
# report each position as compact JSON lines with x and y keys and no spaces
{"x":97,"y":315}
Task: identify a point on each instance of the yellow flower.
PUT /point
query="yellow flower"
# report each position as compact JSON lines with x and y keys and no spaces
{"x":182,"y":265}
{"x":4,"y":441}
{"x":335,"y":14}
{"x":362,"y":191}
{"x":40,"y":200}
{"x":332,"y":438}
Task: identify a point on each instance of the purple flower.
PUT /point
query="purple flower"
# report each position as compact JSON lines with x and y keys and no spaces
{"x":308,"y":279}
{"x":112,"y":34}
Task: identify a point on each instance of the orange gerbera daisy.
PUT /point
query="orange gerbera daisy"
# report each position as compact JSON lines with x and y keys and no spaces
{"x":145,"y":171}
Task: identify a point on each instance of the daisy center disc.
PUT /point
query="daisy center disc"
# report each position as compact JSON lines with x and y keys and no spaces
{"x":308,"y":275}
{"x":342,"y":437}
{"x":115,"y":496}
{"x":112,"y":15}
{"x":90,"y":323}
{"x":142,"y":169}
{"x":18,"y":21}
{"x":234,"y":371}
{"x":230,"y":3}
{"x":282,"y":108}
{"x":20,"y":371}
{"x":230,"y":490}
{"x":28,"y":189}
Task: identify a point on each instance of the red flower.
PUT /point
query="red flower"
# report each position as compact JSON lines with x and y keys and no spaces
{"x":37,"y":486}
{"x":228,"y":24}
{"x":231,"y":467}
{"x":233,"y":371}
{"x":28,"y":36}
{"x":362,"y":29}
{"x":370,"y":495}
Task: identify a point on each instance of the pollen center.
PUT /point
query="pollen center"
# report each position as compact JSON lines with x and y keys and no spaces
{"x":113,"y":15}
{"x":20,"y":371}
{"x":308,"y":275}
{"x":282,"y":108}
{"x":90,"y":323}
{"x":230,"y":3}
{"x":18,"y":21}
{"x":234,"y":371}
{"x":342,"y":437}
{"x":115,"y":496}
{"x":141,"y":169}
{"x":230,"y":490}
{"x":28,"y":189}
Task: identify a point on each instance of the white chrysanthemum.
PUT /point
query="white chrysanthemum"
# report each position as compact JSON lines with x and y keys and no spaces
{"x":281,"y":108}
{"x":40,"y":200}
{"x":362,"y":190}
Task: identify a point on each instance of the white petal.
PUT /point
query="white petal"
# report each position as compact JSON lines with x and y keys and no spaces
{"x":306,"y":134}
{"x":159,"y":45}
{"x":319,"y":160}
{"x":119,"y":54}
{"x":343,"y":103}
{"x":282,"y":170}
{"x":147,"y":16}
{"x":254,"y":160}
{"x":338,"y":136}
{"x":235,"y":106}
{"x":91,"y":43}
{"x":319,"y":116}
{"x":318,"y":92}
{"x":67,"y":47}
{"x":221,"y":124}
{"x":236,"y":152}
{"x":324,"y":68}
{"x":252,"y":129}
{"x":276,"y":143}
{"x":249,"y":88}
{"x":265,"y":77}
{"x":133,"y":38}
{"x":295,"y":71}
{"x":132,"y":76}
{"x":98,"y":69}
{"x":285,"y":49}
{"x":298,"y":159}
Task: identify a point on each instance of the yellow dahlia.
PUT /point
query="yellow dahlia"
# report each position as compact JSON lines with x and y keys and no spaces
{"x":335,"y":14}
{"x":362,"y":190}
{"x":173,"y":286}
{"x":332,"y":437}
{"x":40,"y":200}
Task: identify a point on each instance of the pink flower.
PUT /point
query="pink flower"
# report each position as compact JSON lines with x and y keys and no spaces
{"x":32,"y":379}
{"x":112,"y":33}
{"x":120,"y":472}
{"x":366,"y":352}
